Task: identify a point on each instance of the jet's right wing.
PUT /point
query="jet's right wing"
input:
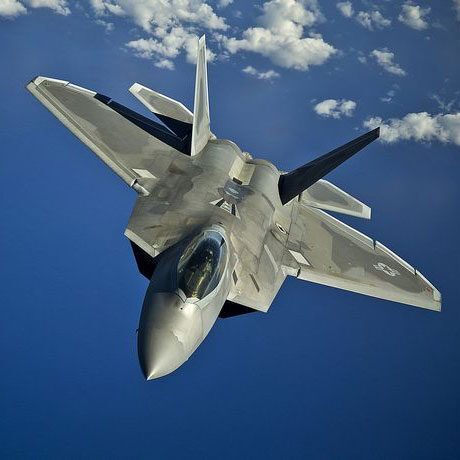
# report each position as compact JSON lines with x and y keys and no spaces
{"x":133,"y":146}
{"x":324,"y":250}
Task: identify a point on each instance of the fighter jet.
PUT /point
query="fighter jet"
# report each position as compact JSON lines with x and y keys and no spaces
{"x":216,"y":231}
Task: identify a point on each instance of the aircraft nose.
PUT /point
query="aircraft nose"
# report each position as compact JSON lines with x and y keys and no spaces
{"x":160,"y":352}
{"x":169,"y":329}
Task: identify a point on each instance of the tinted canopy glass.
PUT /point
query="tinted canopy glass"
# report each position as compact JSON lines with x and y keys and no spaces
{"x":202,"y":265}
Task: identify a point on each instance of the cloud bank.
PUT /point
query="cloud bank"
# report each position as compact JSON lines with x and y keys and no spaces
{"x":280,"y":35}
{"x":12,"y":8}
{"x":419,"y":127}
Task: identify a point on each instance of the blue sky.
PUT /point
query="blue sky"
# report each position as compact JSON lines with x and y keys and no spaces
{"x":326,"y":373}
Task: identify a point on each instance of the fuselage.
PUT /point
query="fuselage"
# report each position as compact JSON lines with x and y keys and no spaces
{"x":225,"y":225}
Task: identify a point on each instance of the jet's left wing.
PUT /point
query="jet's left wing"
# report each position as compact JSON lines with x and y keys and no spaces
{"x":133,"y":146}
{"x":324,"y":250}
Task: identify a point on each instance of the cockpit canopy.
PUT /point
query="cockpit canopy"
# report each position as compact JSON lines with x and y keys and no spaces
{"x":201,"y":266}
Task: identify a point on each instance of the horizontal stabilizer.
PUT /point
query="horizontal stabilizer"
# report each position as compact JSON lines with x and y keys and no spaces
{"x":294,"y":183}
{"x":324,"y":195}
{"x":172,"y":113}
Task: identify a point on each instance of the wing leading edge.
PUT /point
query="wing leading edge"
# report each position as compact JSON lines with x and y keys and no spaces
{"x":323,"y":250}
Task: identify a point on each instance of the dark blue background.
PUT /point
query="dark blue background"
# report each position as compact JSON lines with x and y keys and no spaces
{"x":326,"y":373}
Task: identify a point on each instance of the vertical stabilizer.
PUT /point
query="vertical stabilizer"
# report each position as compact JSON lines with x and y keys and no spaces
{"x":201,"y":121}
{"x":294,"y":183}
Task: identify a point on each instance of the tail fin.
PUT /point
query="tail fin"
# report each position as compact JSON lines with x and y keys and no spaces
{"x":295,"y":182}
{"x":201,"y":122}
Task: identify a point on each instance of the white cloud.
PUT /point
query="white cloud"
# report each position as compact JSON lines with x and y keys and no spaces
{"x":443,"y":105}
{"x":390,"y":94}
{"x":414,"y":16}
{"x":288,"y":16}
{"x":58,"y":6}
{"x":346,"y":8}
{"x":108,"y":26}
{"x":385,"y":58}
{"x":102,"y":7}
{"x":333,"y":108}
{"x":457,"y":8}
{"x":371,"y":19}
{"x":280,"y":35}
{"x":268,"y":75}
{"x":419,"y":127}
{"x":152,"y":15}
{"x":168,"y":46}
{"x":165,"y":64}
{"x":11,"y":9}
{"x":172,"y":26}
{"x":224,"y":3}
{"x":368,"y":19}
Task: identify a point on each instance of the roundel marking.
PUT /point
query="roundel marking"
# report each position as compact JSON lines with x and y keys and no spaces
{"x":386,"y":269}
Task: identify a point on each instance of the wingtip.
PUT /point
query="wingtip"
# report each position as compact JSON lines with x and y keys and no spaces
{"x":367,"y":212}
{"x":40,"y":79}
{"x":34,"y":82}
{"x":135,"y":88}
{"x":437,"y":305}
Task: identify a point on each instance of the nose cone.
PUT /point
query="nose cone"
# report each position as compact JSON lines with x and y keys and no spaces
{"x":160,"y":353}
{"x":169,"y":331}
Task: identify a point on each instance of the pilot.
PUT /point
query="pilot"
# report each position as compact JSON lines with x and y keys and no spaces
{"x":200,"y":273}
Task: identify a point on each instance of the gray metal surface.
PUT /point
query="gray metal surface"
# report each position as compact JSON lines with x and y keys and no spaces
{"x":122,"y":145}
{"x":334,"y":254}
{"x":201,"y":119}
{"x":223,"y":190}
{"x":327,"y":196}
{"x":160,"y":104}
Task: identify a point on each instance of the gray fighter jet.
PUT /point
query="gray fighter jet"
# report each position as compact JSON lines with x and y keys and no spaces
{"x":217,"y":231}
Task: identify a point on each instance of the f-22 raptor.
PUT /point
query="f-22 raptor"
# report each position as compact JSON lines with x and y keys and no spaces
{"x":216,"y":231}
